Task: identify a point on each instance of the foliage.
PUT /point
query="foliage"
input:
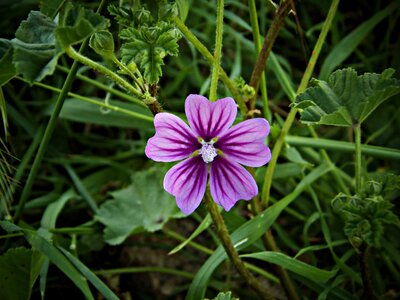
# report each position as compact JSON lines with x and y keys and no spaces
{"x":95,"y":219}
{"x":346,"y":99}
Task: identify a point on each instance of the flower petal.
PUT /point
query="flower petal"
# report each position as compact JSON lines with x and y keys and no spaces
{"x":187,"y":181}
{"x":230,"y":182}
{"x":244,"y":143}
{"x":173,"y":141}
{"x":210,"y":119}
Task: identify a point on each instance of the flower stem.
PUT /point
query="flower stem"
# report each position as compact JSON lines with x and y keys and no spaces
{"x":233,"y":255}
{"x":217,"y":52}
{"x":257,"y":43}
{"x":203,"y":50}
{"x":49,"y":131}
{"x":102,"y":69}
{"x":357,"y":140}
{"x":290,"y":118}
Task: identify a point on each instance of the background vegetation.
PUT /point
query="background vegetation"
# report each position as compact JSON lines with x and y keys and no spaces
{"x":83,"y":210}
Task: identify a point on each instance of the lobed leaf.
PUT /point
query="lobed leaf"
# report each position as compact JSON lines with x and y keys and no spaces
{"x":140,"y":206}
{"x":346,"y":98}
{"x":77,"y":24}
{"x":35,"y":54}
{"x":147,"y":46}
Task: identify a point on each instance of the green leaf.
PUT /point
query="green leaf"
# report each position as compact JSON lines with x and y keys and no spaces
{"x":35,"y":54}
{"x":77,"y":24}
{"x":59,"y":260}
{"x":51,"y":7}
{"x":148,"y":46}
{"x":139,"y":206}
{"x":84,"y":112}
{"x":7,"y":69}
{"x":100,"y":286}
{"x":225,"y":296}
{"x":294,"y":265}
{"x":19,"y":269}
{"x":249,"y":233}
{"x":203,"y":226}
{"x":346,"y":98}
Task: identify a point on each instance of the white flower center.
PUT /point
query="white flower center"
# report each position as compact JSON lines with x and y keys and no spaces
{"x":208,"y":152}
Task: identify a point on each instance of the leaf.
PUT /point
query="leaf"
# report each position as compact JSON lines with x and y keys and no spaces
{"x":19,"y":269}
{"x":35,"y":54}
{"x":249,"y":233}
{"x":349,"y":43}
{"x":84,"y":112}
{"x":7,"y":69}
{"x":225,"y":296}
{"x":142,"y":205}
{"x":294,"y":265}
{"x":77,"y":24}
{"x":59,"y":260}
{"x":346,"y":98}
{"x":53,"y":254}
{"x":147,"y":46}
{"x":50,"y":7}
{"x":100,"y":286}
{"x":203,"y":226}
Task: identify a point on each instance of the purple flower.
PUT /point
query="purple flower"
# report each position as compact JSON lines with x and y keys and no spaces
{"x":210,"y":144}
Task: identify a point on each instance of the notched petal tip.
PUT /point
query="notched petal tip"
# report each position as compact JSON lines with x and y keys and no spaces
{"x":230,"y":182}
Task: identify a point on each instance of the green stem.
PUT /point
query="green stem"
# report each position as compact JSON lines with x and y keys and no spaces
{"x":317,"y":48}
{"x":341,"y":146}
{"x":104,"y":87}
{"x":143,"y":270}
{"x":102,"y":69}
{"x":233,"y":255}
{"x":291,"y":116}
{"x":130,"y":73}
{"x":217,"y":52}
{"x":95,"y":102}
{"x":358,"y":167}
{"x":203,"y":50}
{"x":195,"y":245}
{"x":257,"y":43}
{"x":47,"y":135}
{"x":209,"y":251}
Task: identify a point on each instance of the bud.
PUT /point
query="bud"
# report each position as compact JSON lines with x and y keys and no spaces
{"x":102,"y":43}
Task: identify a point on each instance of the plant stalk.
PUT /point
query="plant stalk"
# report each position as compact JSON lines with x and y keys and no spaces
{"x":49,"y":130}
{"x":358,"y":166}
{"x":217,"y":52}
{"x":233,"y":255}
{"x":207,"y":55}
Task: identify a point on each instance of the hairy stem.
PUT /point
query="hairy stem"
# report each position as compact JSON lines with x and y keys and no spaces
{"x":217,"y":52}
{"x":233,"y":255}
{"x":358,"y":167}
{"x":368,"y":293}
{"x":207,"y":55}
{"x":269,"y":40}
{"x":102,"y":69}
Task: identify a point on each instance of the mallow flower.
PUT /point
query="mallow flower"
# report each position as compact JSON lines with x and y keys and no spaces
{"x":210,"y":148}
